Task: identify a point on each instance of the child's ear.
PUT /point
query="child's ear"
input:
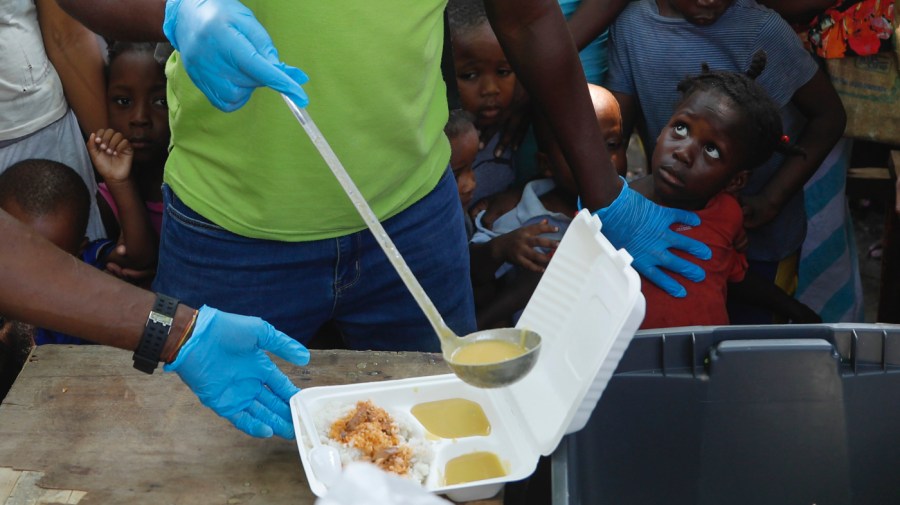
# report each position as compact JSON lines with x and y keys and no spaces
{"x":545,"y":168}
{"x":738,"y":182}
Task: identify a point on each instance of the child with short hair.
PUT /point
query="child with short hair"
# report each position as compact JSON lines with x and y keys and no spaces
{"x":509,"y":253}
{"x":53,"y":199}
{"x":724,"y":126}
{"x":463,"y":136}
{"x":486,"y":84}
{"x":130,"y":155}
{"x":644,"y":70}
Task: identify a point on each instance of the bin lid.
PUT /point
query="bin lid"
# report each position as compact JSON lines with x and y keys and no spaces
{"x":586,"y":308}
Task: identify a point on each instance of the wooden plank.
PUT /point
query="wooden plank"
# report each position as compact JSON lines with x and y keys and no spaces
{"x":876,"y":173}
{"x":8,"y":479}
{"x":90,"y":422}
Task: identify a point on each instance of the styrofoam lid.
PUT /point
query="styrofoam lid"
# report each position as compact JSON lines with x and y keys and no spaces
{"x":586,"y":308}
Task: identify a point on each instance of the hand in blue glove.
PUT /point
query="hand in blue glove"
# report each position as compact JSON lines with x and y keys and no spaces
{"x":643,"y":229}
{"x":227,"y":53}
{"x":225,"y":365}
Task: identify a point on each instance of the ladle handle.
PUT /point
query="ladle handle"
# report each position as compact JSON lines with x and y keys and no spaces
{"x":387,"y":245}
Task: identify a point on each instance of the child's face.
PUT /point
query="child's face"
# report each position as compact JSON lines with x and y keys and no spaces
{"x":485,"y":79}
{"x":136,"y":95}
{"x":59,"y":227}
{"x":463,"y":149}
{"x":610,"y":120}
{"x":699,"y":154}
{"x":698,"y":12}
{"x":551,"y":159}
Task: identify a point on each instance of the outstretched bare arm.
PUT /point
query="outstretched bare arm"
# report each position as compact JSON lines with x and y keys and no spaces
{"x":537,"y":42}
{"x":133,"y":20}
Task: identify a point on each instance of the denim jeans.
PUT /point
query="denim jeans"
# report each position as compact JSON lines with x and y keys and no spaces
{"x":299,"y":286}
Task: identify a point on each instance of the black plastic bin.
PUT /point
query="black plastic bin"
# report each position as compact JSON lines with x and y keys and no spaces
{"x":784,"y":414}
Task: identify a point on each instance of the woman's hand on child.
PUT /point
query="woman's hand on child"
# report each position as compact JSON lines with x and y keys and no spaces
{"x":112,"y":155}
{"x":643,"y":229}
{"x":228,"y":53}
{"x":758,"y":210}
{"x":518,"y":246}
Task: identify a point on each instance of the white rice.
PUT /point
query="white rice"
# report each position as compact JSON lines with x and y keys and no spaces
{"x":409,"y":433}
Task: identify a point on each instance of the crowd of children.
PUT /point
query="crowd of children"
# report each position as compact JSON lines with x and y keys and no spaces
{"x":754,"y":117}
{"x":753,"y":205}
{"x":128,"y":157}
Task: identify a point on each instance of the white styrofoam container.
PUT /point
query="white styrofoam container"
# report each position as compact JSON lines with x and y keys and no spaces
{"x":586,"y":308}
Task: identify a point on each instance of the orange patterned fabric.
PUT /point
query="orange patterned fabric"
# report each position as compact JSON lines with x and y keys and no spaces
{"x":853,"y":28}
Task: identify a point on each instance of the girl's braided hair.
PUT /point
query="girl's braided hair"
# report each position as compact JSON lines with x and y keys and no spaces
{"x":762,"y":116}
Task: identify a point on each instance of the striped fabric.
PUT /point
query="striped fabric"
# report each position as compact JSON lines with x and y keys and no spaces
{"x":829,"y":278}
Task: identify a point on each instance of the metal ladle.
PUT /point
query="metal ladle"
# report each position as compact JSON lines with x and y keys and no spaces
{"x":484,"y":375}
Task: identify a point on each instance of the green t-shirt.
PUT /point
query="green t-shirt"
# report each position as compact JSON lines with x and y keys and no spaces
{"x":375,"y":92}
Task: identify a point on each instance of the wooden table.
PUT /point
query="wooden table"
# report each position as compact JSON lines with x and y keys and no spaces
{"x":80,"y":425}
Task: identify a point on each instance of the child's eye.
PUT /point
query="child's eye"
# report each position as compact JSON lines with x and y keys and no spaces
{"x":467,"y":76}
{"x":613,"y":144}
{"x":680,"y":129}
{"x":121,"y":101}
{"x":712,"y":151}
{"x":161,"y":102}
{"x":504,"y":72}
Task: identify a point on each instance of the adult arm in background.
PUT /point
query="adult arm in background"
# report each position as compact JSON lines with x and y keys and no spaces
{"x":818,"y":101}
{"x":591,"y":18}
{"x":223,"y":361}
{"x":131,"y":20}
{"x":75,"y":53}
{"x":538,"y":44}
{"x":585,"y":24}
{"x":630,"y":111}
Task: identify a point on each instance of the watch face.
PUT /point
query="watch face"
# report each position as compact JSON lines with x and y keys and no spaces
{"x":162,"y":319}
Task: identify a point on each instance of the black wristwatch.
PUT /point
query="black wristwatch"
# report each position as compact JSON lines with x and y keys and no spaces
{"x":156,"y":332}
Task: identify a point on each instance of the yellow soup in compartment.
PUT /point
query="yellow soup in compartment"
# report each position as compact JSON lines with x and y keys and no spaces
{"x":472,"y":467}
{"x":453,"y":418}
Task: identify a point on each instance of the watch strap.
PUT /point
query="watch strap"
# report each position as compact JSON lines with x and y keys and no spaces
{"x":156,"y":331}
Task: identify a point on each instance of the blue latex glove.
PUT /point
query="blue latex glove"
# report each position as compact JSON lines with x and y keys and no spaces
{"x":643,"y":229}
{"x":227,"y":53}
{"x":224,"y":364}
